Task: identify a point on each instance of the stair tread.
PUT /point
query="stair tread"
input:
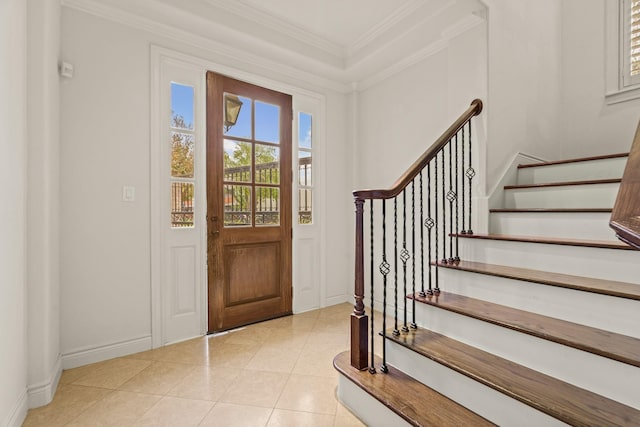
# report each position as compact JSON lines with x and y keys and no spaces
{"x":408,"y":397}
{"x":561,"y":400}
{"x":587,"y":284}
{"x":608,"y":344}
{"x":551,"y":210}
{"x":564,"y":184}
{"x":576,"y":160}
{"x":605,"y":244}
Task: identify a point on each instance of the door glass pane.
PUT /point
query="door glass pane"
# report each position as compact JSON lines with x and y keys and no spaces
{"x":182,"y":197}
{"x":267,"y":122}
{"x":237,"y":205}
{"x":181,"y":155}
{"x":304,"y":168}
{"x":304,"y":206}
{"x":181,"y":106}
{"x":237,"y":161}
{"x":242,"y":126}
{"x":267,"y":164}
{"x":304,"y":131}
{"x":267,"y":206}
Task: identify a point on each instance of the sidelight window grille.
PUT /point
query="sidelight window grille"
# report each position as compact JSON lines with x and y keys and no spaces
{"x":305,"y":163}
{"x":631,"y":42}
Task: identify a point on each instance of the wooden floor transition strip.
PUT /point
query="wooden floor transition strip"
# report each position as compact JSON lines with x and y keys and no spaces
{"x":607,"y":344}
{"x":604,"y":244}
{"x":587,"y":284}
{"x":578,"y":160}
{"x":416,"y":403}
{"x":566,"y":402}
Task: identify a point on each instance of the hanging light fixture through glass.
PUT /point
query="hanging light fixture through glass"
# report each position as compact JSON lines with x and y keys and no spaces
{"x":232,"y":105}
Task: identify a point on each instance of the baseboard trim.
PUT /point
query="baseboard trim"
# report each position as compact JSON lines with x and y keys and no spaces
{"x":19,"y":412}
{"x":338,"y":299}
{"x":42,"y":393}
{"x":86,"y":356}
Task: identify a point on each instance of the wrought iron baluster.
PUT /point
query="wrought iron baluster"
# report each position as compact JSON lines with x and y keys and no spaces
{"x":451,"y":196}
{"x":470,"y":174}
{"x":372,"y":367}
{"x":396,"y":332}
{"x":413,"y":252}
{"x":436,"y":290}
{"x":404,"y":257}
{"x":444,"y":213}
{"x":464,"y":230}
{"x":422,"y":294}
{"x":429,"y":223}
{"x":384,"y":270}
{"x":457,"y":257}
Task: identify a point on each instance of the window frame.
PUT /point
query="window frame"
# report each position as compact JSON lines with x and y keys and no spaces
{"x":620,"y":85}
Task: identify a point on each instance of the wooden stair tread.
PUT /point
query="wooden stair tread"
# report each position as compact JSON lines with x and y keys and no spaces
{"x":407,"y":397}
{"x":566,"y":402}
{"x":551,"y":210}
{"x":604,"y":244}
{"x":577,"y":160}
{"x":608,"y":344}
{"x":563,"y":184}
{"x":581,"y":283}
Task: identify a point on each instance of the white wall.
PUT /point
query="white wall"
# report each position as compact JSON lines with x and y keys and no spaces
{"x":43,"y":282}
{"x":524,"y":103}
{"x":105,"y":243}
{"x":591,"y":127}
{"x":13,"y":145}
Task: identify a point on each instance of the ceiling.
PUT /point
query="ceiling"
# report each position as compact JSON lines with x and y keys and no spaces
{"x":345,"y":41}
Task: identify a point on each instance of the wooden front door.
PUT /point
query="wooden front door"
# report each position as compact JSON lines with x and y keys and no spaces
{"x":249,"y":203}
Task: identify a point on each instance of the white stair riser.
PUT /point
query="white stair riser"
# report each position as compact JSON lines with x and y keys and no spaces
{"x":575,"y":225}
{"x":620,"y":315}
{"x":369,"y":410}
{"x":481,"y":399}
{"x":612,"y":379}
{"x":610,"y":264}
{"x":563,"y":197}
{"x":579,"y":171}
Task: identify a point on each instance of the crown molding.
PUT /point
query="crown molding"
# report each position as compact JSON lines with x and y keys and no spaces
{"x":96,"y":8}
{"x":242,"y":10}
{"x":382,"y":27}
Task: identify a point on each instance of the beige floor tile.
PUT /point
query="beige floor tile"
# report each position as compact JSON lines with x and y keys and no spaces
{"x":287,"y":338}
{"x":68,"y":403}
{"x":285,"y":418}
{"x":120,"y":408}
{"x":316,"y":362}
{"x":344,"y":418}
{"x":256,"y":388}
{"x":309,"y":394}
{"x":292,"y":323}
{"x":204,"y":383}
{"x":231,"y":415}
{"x":232,"y":356}
{"x":174,"y":411}
{"x":274,"y":359}
{"x":157,"y":378}
{"x":249,"y":335}
{"x":112,"y":373}
{"x":322,"y":341}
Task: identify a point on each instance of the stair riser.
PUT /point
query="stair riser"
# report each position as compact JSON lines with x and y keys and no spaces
{"x":562,"y":197}
{"x":579,"y":171}
{"x":598,"y":374}
{"x":586,"y":308}
{"x":369,"y":410}
{"x":582,"y":225}
{"x":479,"y":398}
{"x":611,"y":264}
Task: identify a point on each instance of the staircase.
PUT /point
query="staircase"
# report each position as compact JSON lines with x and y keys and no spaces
{"x":537,"y":325}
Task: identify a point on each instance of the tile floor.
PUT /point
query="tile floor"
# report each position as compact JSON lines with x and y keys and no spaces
{"x":275,"y":373}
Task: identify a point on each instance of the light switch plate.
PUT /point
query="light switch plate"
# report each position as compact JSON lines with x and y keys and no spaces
{"x":128,"y":194}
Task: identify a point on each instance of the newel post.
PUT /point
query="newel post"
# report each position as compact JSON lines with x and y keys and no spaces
{"x":359,"y":320}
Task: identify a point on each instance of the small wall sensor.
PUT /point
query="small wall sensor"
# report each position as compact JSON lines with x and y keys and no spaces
{"x":66,"y":70}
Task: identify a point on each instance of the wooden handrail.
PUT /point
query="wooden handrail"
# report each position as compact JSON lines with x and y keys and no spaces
{"x":625,"y":217}
{"x":474,"y":109}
